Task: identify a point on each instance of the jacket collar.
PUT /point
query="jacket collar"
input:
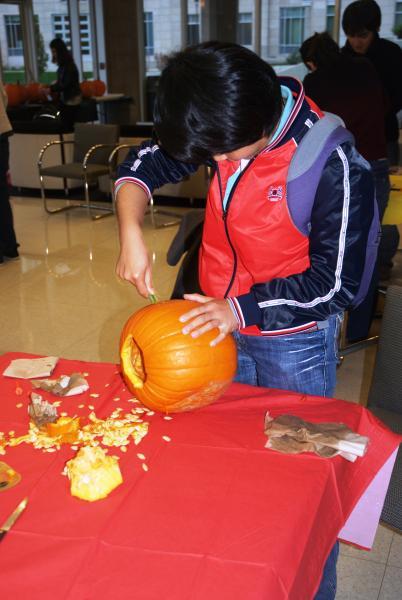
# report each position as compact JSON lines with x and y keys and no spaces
{"x":297,"y":90}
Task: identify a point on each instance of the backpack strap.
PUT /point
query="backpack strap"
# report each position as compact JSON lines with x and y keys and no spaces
{"x":307,"y":164}
{"x":304,"y":175}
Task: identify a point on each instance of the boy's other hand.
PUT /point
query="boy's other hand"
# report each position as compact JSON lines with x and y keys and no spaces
{"x":212,"y":313}
{"x":134,"y":266}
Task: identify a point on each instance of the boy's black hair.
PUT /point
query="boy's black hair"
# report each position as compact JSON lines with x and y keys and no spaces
{"x":361,"y":15}
{"x":214,"y":98}
{"x":321,"y":50}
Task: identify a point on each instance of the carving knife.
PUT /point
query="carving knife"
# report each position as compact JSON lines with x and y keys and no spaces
{"x":9,"y":522}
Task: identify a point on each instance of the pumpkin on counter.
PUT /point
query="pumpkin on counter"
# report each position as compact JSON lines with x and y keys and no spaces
{"x":87,"y":89}
{"x":99,"y":87}
{"x":15,"y":93}
{"x":167,"y":370}
{"x":35,"y":92}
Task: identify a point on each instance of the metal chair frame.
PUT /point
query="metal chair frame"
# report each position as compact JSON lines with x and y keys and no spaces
{"x":87,"y":204}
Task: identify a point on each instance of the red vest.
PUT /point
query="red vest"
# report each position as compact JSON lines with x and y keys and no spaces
{"x":261,"y":231}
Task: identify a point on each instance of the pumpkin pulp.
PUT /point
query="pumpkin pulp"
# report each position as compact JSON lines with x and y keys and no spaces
{"x":132,"y":362}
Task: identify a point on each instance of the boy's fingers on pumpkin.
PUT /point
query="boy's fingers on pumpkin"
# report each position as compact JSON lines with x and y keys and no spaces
{"x":208,"y":308}
{"x":218,"y":339}
{"x":191,"y":314}
{"x":203,"y":329}
{"x":197,"y":321}
{"x":197,"y":298}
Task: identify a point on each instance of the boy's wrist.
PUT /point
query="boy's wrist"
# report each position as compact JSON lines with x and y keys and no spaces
{"x":247,"y":310}
{"x":232,"y":308}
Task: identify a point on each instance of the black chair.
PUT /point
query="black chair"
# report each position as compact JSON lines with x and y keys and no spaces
{"x":385,"y":395}
{"x":187,"y":242}
{"x":93,"y":157}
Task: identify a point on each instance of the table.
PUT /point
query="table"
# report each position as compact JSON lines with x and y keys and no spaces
{"x":393,"y":212}
{"x":217,"y":516}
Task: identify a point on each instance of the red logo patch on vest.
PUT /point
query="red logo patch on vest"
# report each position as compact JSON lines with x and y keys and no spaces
{"x":275,"y":193}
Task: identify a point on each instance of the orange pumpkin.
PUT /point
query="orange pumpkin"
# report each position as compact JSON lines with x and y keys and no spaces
{"x":99,"y":87}
{"x":87,"y":89}
{"x":15,"y":94}
{"x":167,"y":370}
{"x":33,"y":92}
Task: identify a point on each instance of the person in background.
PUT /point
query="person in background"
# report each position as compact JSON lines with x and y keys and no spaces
{"x":349,"y":87}
{"x":8,"y":241}
{"x":361,"y":24}
{"x":276,"y":271}
{"x":67,"y":86}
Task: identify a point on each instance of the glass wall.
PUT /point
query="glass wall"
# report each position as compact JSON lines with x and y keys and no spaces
{"x":398,"y":20}
{"x":162,"y":32}
{"x":11,"y":44}
{"x":193,"y":22}
{"x":282,"y":25}
{"x":86,"y":39}
{"x":51,"y":19}
{"x":273,"y":28}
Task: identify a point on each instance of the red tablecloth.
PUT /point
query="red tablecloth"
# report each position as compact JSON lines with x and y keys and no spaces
{"x":217,"y":516}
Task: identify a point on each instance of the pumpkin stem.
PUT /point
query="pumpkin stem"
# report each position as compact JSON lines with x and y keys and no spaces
{"x":132,"y":362}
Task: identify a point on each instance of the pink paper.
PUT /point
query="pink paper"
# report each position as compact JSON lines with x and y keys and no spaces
{"x":361,"y":527}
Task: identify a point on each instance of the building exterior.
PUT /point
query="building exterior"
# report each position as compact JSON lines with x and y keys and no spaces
{"x":281,"y":26}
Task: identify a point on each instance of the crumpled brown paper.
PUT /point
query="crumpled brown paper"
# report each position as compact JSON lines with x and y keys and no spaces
{"x":291,"y":435}
{"x":27,"y":368}
{"x":40,"y":411}
{"x":66,"y":385}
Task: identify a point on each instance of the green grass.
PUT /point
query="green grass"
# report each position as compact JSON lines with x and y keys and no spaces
{"x":14,"y":76}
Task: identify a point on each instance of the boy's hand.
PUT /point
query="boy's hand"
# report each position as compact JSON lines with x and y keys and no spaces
{"x":134,"y":266}
{"x":210,"y":314}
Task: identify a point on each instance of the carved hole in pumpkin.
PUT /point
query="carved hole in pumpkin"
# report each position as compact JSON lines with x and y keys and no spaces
{"x":137,"y":360}
{"x":133,"y":362}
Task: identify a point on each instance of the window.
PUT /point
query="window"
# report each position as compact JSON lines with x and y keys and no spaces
{"x":330,"y":17}
{"x":193,"y":29}
{"x":14,"y":35}
{"x":398,"y":16}
{"x":245,"y":32}
{"x":291,"y":29}
{"x":61,"y":29}
{"x":149,"y":33}
{"x":85,"y":36}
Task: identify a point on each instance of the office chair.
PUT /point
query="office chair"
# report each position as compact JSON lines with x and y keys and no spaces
{"x":92,"y":158}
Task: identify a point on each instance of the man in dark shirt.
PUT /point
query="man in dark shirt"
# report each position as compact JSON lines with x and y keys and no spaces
{"x":361,"y":23}
{"x":349,"y":87}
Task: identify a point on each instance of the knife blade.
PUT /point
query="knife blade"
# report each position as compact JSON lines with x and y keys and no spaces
{"x":9,"y":522}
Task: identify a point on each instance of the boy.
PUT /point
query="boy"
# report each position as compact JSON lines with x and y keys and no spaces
{"x":277,"y":271}
{"x":282,"y":274}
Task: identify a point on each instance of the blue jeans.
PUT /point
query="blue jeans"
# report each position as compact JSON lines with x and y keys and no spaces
{"x":327,"y":589}
{"x":303,"y":362}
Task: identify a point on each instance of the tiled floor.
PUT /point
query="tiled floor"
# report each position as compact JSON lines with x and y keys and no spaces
{"x":62,"y":298}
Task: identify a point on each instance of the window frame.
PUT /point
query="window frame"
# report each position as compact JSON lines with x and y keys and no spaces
{"x":287,"y":18}
{"x":149,"y":43}
{"x":13,"y":29}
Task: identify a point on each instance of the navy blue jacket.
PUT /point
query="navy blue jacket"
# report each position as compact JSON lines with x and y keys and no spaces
{"x":341,"y":215}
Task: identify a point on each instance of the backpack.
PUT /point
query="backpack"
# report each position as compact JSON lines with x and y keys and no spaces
{"x":304,"y":175}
